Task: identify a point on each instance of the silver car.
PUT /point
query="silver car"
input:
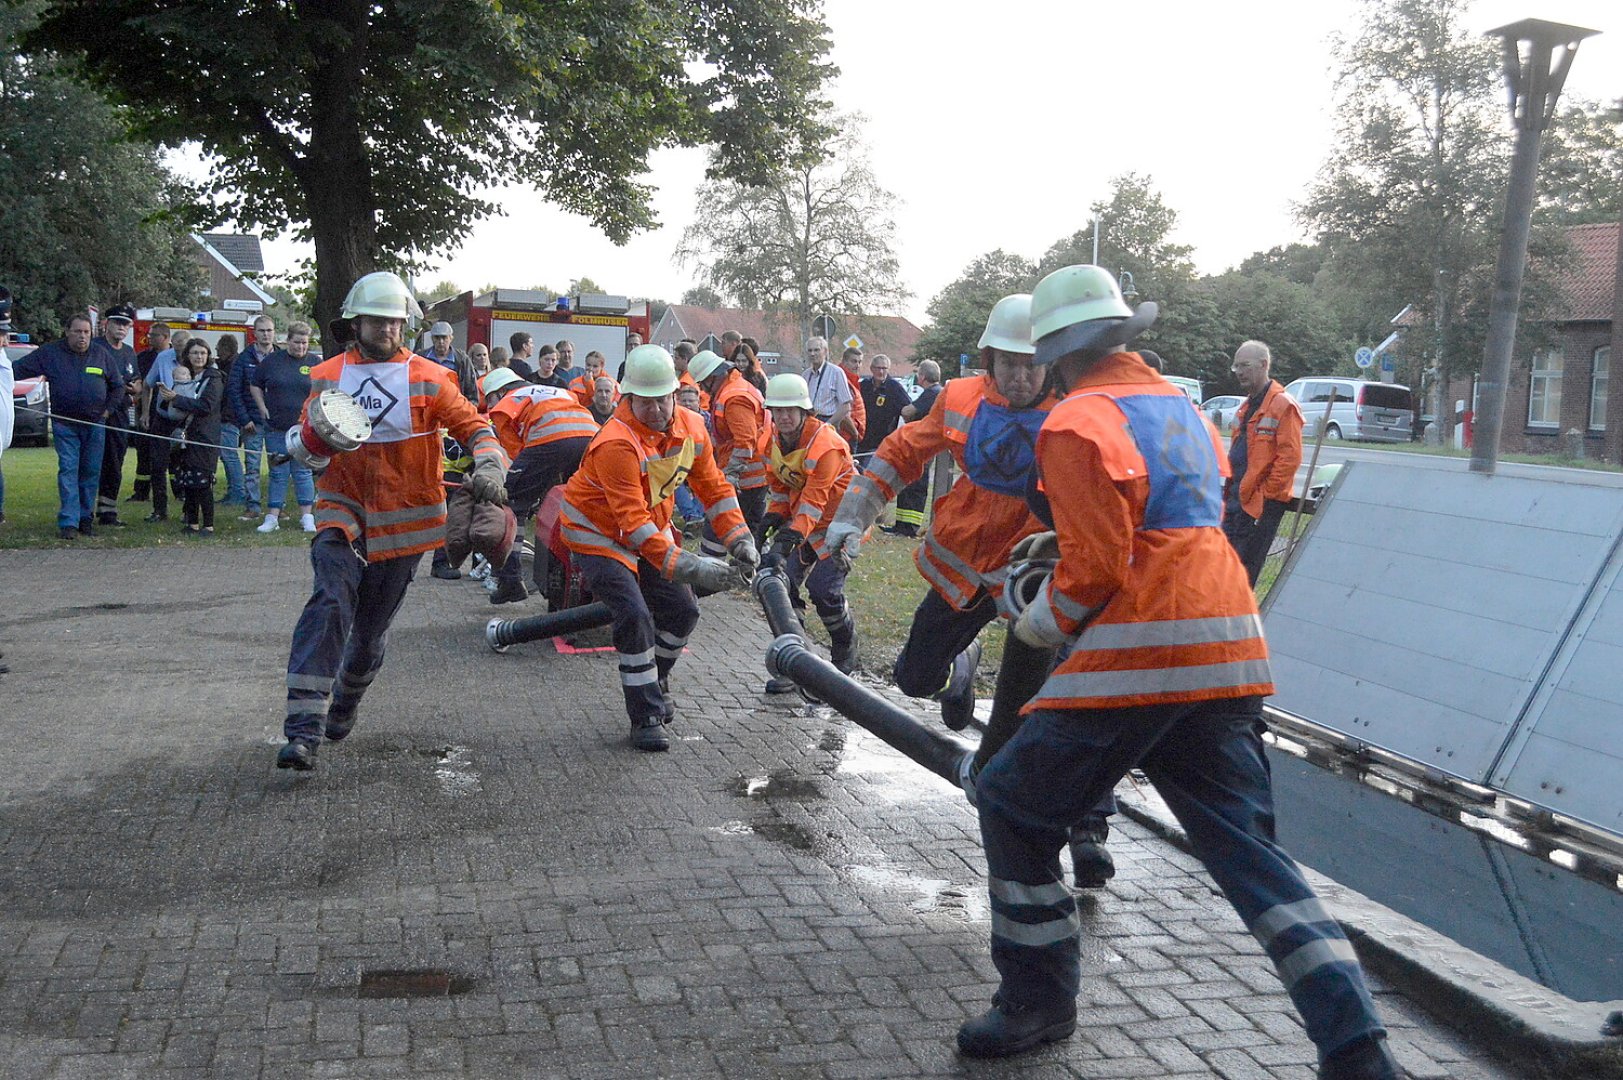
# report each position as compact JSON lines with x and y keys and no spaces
{"x":1354,"y":409}
{"x":1220,"y":410}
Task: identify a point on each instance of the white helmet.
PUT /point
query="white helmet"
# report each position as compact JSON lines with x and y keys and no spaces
{"x":649,"y":372}
{"x":1009,"y":326}
{"x":1080,"y":308}
{"x":705,"y":364}
{"x":500,"y":379}
{"x":382,"y":294}
{"x":787,"y":391}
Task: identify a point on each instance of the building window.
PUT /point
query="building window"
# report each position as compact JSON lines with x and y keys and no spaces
{"x":1544,"y":390}
{"x":1597,"y":388}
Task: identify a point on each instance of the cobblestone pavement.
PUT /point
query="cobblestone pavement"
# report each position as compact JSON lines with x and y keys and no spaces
{"x":778,"y":896}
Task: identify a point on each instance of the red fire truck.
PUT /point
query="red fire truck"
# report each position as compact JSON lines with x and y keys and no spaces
{"x":208,"y":325}
{"x":593,"y":322}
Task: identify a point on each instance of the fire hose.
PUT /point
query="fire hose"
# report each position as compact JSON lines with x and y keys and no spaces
{"x":500,"y":633}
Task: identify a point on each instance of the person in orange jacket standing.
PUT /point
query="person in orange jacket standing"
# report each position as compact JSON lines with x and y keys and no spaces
{"x":738,"y":415}
{"x":545,"y":431}
{"x":1264,"y":454}
{"x":617,"y":523}
{"x":809,"y":472}
{"x":379,"y":507}
{"x":1164,"y":669}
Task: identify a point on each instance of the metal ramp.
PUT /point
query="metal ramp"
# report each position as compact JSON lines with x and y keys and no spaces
{"x":1468,"y":623}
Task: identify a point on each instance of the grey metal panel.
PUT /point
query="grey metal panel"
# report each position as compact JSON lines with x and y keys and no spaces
{"x":1568,"y":754}
{"x":1425,"y":606}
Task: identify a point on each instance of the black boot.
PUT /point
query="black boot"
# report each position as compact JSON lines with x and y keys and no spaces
{"x":340,"y":722}
{"x":958,"y":699}
{"x":1366,"y":1059}
{"x":649,"y":734}
{"x":846,"y":653}
{"x":1091,"y":864}
{"x":299,"y":754}
{"x":1006,"y":1029}
{"x":509,"y":591}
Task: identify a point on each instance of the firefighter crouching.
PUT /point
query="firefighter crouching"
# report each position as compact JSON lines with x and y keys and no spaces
{"x":738,"y":417}
{"x":617,"y":523}
{"x":545,"y":431}
{"x":809,"y":470}
{"x":1165,"y":668}
{"x":379,"y":507}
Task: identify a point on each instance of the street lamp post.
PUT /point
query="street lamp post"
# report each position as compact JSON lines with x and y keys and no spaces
{"x":1537,"y":56}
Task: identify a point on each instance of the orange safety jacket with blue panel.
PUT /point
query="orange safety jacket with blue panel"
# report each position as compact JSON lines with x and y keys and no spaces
{"x":388,"y":492}
{"x":984,"y":515}
{"x":1156,"y":603}
{"x":806,"y":482}
{"x":740,"y":418}
{"x":619,"y":502}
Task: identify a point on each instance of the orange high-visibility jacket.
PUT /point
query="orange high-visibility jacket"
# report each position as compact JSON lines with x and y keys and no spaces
{"x":584,"y":386}
{"x":686,"y":379}
{"x":513,"y":415}
{"x":972,"y":529}
{"x":388,"y":492}
{"x":619,"y":502}
{"x":741,"y":428}
{"x":859,"y":408}
{"x":1273,"y":448}
{"x":1146,"y":577}
{"x":807,"y":481}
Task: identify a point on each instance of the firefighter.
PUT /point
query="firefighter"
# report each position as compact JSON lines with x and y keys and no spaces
{"x":1165,"y":668}
{"x":617,"y":524}
{"x":378,"y":508}
{"x":546,"y":432}
{"x":738,"y":417}
{"x":809,"y":472}
{"x":1264,"y":453}
{"x":989,"y":424}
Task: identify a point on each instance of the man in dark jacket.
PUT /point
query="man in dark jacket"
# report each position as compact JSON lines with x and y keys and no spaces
{"x":119,"y":360}
{"x":83,"y":394}
{"x":241,"y":422}
{"x":911,"y":499}
{"x":157,"y":342}
{"x":884,"y":398}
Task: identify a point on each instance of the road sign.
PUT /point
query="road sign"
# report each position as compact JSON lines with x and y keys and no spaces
{"x":853,"y":342}
{"x":1364,"y":357}
{"x":823,"y":327}
{"x":1387,"y":365}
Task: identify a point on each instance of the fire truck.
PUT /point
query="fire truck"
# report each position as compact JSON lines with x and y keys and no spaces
{"x":593,"y":322}
{"x":237,"y":318}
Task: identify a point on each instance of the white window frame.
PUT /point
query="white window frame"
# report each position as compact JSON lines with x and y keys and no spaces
{"x":1600,"y":377}
{"x":1544,"y":389}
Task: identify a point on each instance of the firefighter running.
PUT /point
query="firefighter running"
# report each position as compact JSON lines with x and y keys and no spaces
{"x":378,"y":508}
{"x":989,"y":424}
{"x":617,"y":523}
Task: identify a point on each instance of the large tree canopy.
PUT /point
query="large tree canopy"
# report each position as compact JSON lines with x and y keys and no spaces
{"x":87,"y":216}
{"x":367,"y":125}
{"x":958,"y":312}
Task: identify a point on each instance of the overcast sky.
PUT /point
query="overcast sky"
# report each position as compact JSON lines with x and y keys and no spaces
{"x":998,"y":125}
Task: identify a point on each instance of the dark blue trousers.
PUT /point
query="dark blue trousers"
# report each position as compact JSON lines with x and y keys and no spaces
{"x":653,"y":617}
{"x":824,"y":580}
{"x":1207,"y":761}
{"x":339,"y":640}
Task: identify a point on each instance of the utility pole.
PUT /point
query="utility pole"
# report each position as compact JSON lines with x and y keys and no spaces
{"x":1535,"y":75}
{"x":1613,"y":442}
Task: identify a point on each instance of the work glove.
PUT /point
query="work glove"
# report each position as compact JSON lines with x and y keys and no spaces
{"x":703,"y":572}
{"x":845,"y":542}
{"x":743,"y":551}
{"x":1043,"y":545}
{"x":786,"y":542}
{"x":1036,"y":626}
{"x":488,"y":482}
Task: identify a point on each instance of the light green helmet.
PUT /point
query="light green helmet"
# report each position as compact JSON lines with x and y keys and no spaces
{"x":649,"y":372}
{"x":788,"y":391}
{"x":705,"y":364}
{"x":500,"y":379}
{"x":1080,"y":307}
{"x":384,"y":295}
{"x":1009,"y":326}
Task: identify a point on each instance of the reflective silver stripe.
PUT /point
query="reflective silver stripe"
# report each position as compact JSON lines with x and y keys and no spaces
{"x":862,"y":502}
{"x":1036,"y":935}
{"x":995,"y":576}
{"x":336,"y":517}
{"x":638,"y":678}
{"x":308,"y":682}
{"x":1267,"y":423}
{"x":484,"y":435}
{"x":735,"y":534}
{"x":307,"y":707}
{"x":720,"y":506}
{"x":955,"y":421}
{"x":1271,"y":923}
{"x":1018,"y":892}
{"x":1102,"y":684}
{"x":668,"y":652}
{"x":343,"y":500}
{"x":425,"y":389}
{"x":1065,"y":605}
{"x":380,"y":518}
{"x":347,"y":681}
{"x":637,"y":659}
{"x":565,"y":423}
{"x":377,"y":545}
{"x":593,"y":538}
{"x":1172,"y":632}
{"x":1313,"y":956}
{"x":813,"y":510}
{"x":642,"y":534}
{"x":934,"y":546}
{"x":883,"y":472}
{"x":942,"y":583}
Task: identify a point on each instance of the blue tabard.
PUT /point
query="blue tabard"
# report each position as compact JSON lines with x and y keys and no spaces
{"x":1186,"y":484}
{"x":1002,"y":448}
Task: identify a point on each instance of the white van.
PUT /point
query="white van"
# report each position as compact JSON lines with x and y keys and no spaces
{"x":1187,"y":385}
{"x":1370,"y":411}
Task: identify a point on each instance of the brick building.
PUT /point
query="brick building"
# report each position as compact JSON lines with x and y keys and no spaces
{"x":228,"y":259}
